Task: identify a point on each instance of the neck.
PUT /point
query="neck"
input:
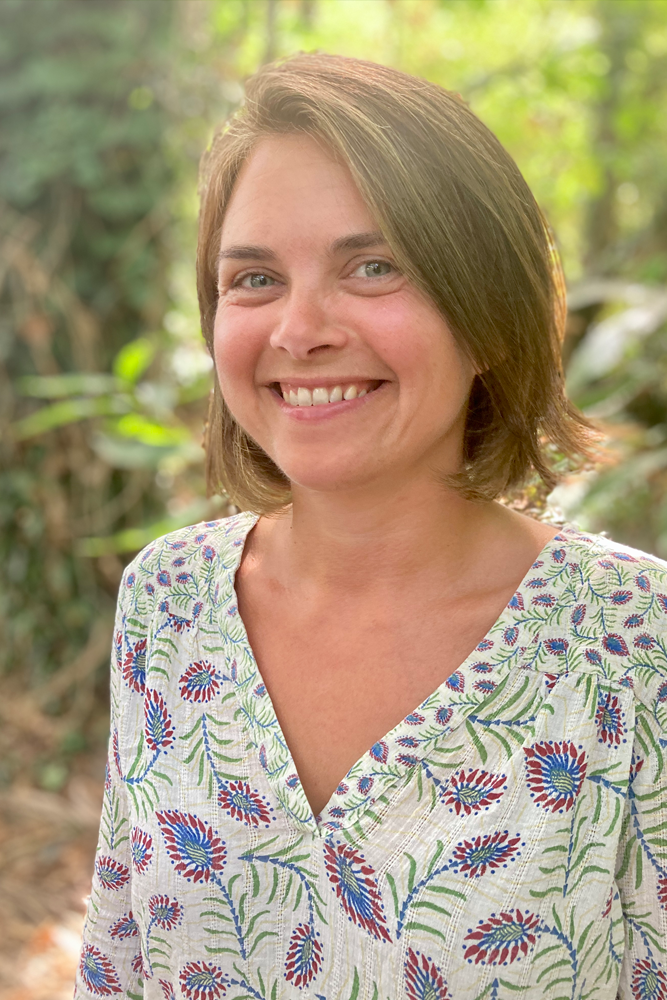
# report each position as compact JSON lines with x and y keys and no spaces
{"x":372,"y":540}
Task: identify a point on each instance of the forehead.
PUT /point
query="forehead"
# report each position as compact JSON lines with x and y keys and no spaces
{"x":291,"y":187}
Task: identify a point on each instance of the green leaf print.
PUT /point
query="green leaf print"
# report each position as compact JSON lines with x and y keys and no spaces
{"x":479,"y":746}
{"x":355,"y":985}
{"x":394,"y":894}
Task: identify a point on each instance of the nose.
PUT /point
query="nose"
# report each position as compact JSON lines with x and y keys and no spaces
{"x":307,"y":325}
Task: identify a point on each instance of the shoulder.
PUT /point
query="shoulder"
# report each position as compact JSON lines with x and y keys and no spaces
{"x":188,"y":560}
{"x":599,"y":547}
{"x":209,"y":540}
{"x":617,"y":614}
{"x":613,"y":572}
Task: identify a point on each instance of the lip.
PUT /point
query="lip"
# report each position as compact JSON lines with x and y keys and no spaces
{"x":321,"y":383}
{"x":328,"y":411}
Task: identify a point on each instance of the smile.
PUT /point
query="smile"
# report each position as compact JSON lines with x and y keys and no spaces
{"x":299,"y":395}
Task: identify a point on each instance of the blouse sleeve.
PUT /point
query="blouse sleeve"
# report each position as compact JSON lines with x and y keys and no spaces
{"x":641,"y":874}
{"x":110,"y":961}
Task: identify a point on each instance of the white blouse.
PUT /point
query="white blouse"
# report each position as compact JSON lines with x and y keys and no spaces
{"x":506,"y":840}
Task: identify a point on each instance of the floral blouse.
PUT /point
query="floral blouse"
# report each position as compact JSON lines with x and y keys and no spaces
{"x":506,"y":840}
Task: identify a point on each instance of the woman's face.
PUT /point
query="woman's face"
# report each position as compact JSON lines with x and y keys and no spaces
{"x":313,"y":308}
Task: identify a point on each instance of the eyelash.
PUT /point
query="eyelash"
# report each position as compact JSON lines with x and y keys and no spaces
{"x":249,"y":274}
{"x":236,"y":283}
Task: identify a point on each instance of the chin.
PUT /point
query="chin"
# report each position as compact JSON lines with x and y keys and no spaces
{"x":327,"y":477}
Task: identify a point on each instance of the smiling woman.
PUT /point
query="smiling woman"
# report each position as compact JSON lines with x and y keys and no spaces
{"x":458,"y":220}
{"x":380,"y":736}
{"x":330,"y":312}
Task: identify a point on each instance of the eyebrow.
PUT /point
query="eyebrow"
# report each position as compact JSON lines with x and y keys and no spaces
{"x":355,"y":241}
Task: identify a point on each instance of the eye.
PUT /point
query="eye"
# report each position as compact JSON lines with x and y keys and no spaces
{"x":255,"y":280}
{"x":373,"y":269}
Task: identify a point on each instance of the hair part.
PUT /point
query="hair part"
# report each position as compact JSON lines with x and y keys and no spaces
{"x":464,"y":228}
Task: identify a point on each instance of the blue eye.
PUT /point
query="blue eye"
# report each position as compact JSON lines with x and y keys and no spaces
{"x":257,"y":281}
{"x":374,"y":269}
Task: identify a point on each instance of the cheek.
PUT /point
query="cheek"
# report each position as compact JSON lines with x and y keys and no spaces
{"x":235,"y":348}
{"x":416,"y":342}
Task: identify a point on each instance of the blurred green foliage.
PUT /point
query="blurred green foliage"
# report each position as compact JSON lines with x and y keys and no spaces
{"x":89,"y":403}
{"x":105,"y":108}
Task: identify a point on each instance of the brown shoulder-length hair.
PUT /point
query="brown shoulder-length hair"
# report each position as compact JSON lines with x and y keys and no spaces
{"x":464,"y":227}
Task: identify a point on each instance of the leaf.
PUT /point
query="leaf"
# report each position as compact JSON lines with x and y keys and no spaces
{"x":355,"y":985}
{"x":274,"y":886}
{"x":69,"y":384}
{"x":656,"y":746}
{"x":516,"y":736}
{"x":446,"y":891}
{"x":554,"y":965}
{"x":438,"y":851}
{"x":580,"y":824}
{"x":260,"y":937}
{"x":479,"y":746}
{"x":261,"y":848}
{"x":625,"y":863}
{"x":617,"y":810}
{"x":424,"y":904}
{"x":501,"y":710}
{"x":68,"y":411}
{"x":413,"y":926}
{"x":588,"y":870}
{"x":289,"y":886}
{"x":582,"y":853}
{"x":191,"y":732}
{"x":411,"y":871}
{"x":217,"y":914}
{"x":501,"y":739}
{"x":150,"y":432}
{"x":133,"y":359}
{"x":392,"y":886}
{"x":254,"y":920}
{"x":545,"y":951}
{"x":191,"y":756}
{"x":557,"y":982}
{"x":540,"y":894}
{"x":582,"y":940}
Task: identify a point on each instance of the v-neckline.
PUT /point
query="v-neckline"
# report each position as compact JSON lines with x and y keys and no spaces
{"x":464,"y":693}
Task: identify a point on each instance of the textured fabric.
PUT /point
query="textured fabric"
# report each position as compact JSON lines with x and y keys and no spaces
{"x":507,"y":839}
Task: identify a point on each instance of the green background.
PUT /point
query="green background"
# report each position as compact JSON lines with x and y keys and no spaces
{"x":105,"y":109}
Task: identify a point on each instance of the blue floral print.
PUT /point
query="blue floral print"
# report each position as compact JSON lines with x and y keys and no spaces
{"x":507,"y":838}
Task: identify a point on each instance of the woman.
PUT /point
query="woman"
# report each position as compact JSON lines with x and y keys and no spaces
{"x":380,"y":736}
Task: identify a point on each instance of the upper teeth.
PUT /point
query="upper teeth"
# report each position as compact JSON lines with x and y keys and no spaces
{"x":319,"y":396}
